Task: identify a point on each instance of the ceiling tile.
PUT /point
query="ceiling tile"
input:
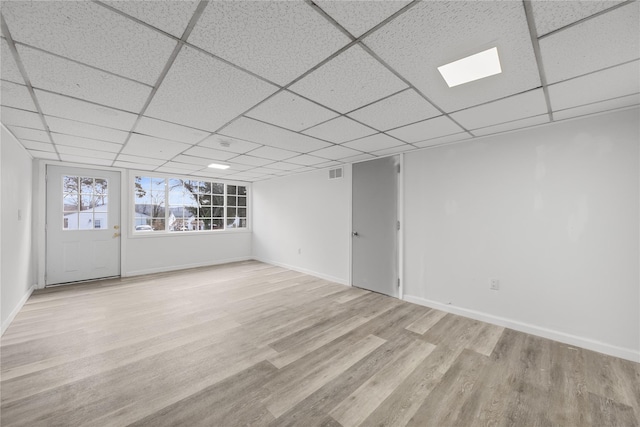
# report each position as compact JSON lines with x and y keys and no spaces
{"x":273,"y":153}
{"x":169,"y":16}
{"x":193,"y":160}
{"x":226,"y":143}
{"x":91,"y":34}
{"x":44,"y":155}
{"x":264,"y":171}
{"x":612,"y":104}
{"x":349,"y":81}
{"x":235,"y":167}
{"x":397,"y":110}
{"x":176,"y":170}
{"x":62,"y":76}
{"x":274,"y":39}
{"x":337,"y":152}
{"x":435,"y":33}
{"x":132,"y":165}
{"x":513,"y":125}
{"x":209,"y":153}
{"x":37,"y":145}
{"x":143,"y":160}
{"x":600,"y":42}
{"x":214,"y":173}
{"x":205,"y":93}
{"x":552,"y":15}
{"x":166,"y":130}
{"x":375,"y":143}
{"x":69,"y":108}
{"x":30,"y":134}
{"x":427,"y":129}
{"x":324,"y":165}
{"x":27,"y":119}
{"x":358,"y":17}
{"x":86,"y":130}
{"x":306,"y":160}
{"x":179,"y":167}
{"x":340,"y":130}
{"x":515,"y":107}
{"x":358,"y":158}
{"x":15,"y":95}
{"x":443,"y":140}
{"x":86,"y":152}
{"x":251,"y":160}
{"x":76,"y":141}
{"x":8,"y":68}
{"x":147,"y":146}
{"x":610,"y":83}
{"x":291,"y":111}
{"x":283,"y":166}
{"x":87,"y":160}
{"x":256,"y":131}
{"x":394,"y":150}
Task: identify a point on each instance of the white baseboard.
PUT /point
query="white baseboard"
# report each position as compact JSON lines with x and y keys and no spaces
{"x":338,"y":280}
{"x":17,"y":309}
{"x":587,"y":343}
{"x":164,"y":269}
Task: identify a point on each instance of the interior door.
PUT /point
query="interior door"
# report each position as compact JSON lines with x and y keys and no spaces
{"x":83,"y":224}
{"x":375,"y":225}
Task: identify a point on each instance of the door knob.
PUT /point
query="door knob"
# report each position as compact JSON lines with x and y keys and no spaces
{"x":116,"y":227}
{"x":116,"y":235}
{"x":355,"y":233}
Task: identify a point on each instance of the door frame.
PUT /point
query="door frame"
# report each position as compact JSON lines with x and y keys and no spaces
{"x":399,"y":235}
{"x":40,"y":212}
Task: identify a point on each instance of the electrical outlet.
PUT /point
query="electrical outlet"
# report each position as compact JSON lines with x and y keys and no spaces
{"x":494,"y":284}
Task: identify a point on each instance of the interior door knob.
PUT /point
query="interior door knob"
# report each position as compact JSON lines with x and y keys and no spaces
{"x":355,"y":233}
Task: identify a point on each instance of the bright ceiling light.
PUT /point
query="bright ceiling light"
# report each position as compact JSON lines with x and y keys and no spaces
{"x":474,"y":67}
{"x":218,"y":166}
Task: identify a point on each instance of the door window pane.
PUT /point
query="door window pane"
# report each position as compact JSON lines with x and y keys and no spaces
{"x":82,"y":198}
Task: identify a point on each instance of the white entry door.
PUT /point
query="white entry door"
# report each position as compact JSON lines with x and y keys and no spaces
{"x":375,"y":225}
{"x":83,"y":224}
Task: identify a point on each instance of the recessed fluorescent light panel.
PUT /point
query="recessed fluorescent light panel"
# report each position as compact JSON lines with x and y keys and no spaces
{"x":218,"y":166}
{"x":474,"y":67}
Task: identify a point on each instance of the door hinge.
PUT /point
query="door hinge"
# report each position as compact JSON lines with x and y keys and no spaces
{"x":398,"y":225}
{"x":398,"y":168}
{"x":398,"y":282}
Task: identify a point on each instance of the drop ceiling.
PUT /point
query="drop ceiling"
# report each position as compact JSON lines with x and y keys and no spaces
{"x":274,"y":88}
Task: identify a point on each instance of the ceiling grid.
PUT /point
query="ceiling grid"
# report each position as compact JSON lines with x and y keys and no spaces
{"x":279,"y":88}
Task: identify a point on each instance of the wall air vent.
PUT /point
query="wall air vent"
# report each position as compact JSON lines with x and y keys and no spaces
{"x":335,"y":173}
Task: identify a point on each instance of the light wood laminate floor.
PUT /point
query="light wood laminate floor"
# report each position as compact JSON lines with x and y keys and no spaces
{"x":252,"y":344}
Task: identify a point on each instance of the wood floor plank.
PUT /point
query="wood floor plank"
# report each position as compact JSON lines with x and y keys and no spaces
{"x":424,"y":323}
{"x":316,"y":341}
{"x":247,"y":343}
{"x":357,"y":407}
{"x":443,"y":405}
{"x":283,"y":399}
{"x":402,"y":404}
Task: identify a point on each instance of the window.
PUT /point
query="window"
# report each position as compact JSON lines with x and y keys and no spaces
{"x":84,"y":202}
{"x":183,"y":205}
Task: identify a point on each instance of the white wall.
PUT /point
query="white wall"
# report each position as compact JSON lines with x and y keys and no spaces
{"x":552,"y":212}
{"x":16,"y":260}
{"x":303,"y":222}
{"x":153,"y":254}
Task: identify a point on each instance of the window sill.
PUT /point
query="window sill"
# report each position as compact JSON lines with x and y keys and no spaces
{"x":158,"y":234}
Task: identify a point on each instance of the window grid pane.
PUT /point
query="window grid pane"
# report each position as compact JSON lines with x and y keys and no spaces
{"x":193,"y":205}
{"x":84,"y":203}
